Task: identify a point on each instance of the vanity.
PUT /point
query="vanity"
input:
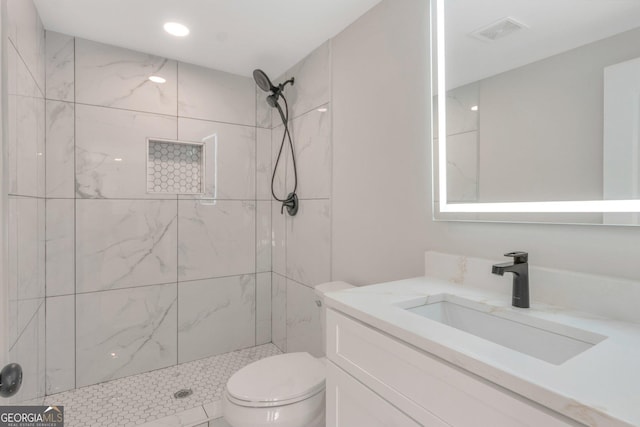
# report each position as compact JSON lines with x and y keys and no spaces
{"x":438,"y":351}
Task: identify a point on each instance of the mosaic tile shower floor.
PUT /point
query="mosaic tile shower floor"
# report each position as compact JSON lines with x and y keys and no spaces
{"x":148,"y":397}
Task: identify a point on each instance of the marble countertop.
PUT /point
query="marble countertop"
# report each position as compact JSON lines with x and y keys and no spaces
{"x":599,"y":387}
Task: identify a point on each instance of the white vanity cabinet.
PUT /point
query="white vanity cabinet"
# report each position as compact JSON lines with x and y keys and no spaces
{"x":374,"y":379}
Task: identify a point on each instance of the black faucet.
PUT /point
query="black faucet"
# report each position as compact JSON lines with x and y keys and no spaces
{"x":520,"y":270}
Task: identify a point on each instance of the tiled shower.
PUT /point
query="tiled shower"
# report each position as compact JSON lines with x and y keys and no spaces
{"x":138,"y":280}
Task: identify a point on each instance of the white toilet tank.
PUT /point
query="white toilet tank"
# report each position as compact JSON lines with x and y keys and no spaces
{"x":320,"y":290}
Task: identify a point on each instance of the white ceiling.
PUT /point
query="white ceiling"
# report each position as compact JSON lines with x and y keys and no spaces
{"x":555,"y":26}
{"x":236,"y":36}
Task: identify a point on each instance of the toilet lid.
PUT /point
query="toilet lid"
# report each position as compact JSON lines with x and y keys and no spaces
{"x":286,"y":378}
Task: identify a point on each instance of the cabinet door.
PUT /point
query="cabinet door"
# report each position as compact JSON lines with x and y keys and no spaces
{"x":404,"y":375}
{"x":351,"y":404}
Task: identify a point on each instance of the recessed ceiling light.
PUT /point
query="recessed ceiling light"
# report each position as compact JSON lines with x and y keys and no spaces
{"x":474,"y":108}
{"x":158,"y":79}
{"x":117,"y":159}
{"x":322,"y":109}
{"x":176,"y":29}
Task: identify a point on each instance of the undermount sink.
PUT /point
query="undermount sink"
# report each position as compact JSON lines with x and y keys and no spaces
{"x":552,"y":342}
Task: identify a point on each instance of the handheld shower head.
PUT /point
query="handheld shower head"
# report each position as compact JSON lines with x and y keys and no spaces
{"x":263,"y":81}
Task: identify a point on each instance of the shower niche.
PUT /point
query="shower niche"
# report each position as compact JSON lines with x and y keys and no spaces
{"x":175,"y":167}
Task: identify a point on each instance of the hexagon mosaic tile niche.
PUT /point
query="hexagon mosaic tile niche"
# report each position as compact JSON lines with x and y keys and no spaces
{"x":175,"y":167}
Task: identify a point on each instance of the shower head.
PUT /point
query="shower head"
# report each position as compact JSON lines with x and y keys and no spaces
{"x":272,"y":100}
{"x":265,"y":84}
{"x":263,"y":81}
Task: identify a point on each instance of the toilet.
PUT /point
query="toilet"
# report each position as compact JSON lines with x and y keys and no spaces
{"x":287,"y":390}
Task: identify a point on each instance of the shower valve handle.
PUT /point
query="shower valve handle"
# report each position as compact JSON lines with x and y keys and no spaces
{"x":291,"y":203}
{"x":10,"y":380}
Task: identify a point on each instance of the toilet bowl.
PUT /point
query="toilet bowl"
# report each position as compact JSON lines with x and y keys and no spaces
{"x":287,"y":390}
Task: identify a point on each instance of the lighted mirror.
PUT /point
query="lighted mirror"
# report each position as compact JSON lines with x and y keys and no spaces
{"x":541,"y":118}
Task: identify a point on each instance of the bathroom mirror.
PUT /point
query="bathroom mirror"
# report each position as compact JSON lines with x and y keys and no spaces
{"x":541,"y":118}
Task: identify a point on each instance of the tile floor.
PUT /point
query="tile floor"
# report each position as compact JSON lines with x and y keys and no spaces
{"x":147,"y":399}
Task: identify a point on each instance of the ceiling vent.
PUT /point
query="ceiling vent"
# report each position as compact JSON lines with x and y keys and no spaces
{"x":498,"y":30}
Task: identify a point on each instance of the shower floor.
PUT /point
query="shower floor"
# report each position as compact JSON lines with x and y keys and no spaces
{"x":147,"y":399}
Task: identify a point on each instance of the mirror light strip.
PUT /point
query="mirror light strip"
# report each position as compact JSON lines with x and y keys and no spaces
{"x":442,"y":105}
{"x":587,"y":206}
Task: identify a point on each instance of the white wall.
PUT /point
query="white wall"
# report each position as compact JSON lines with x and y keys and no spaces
{"x":381,"y":125}
{"x":381,"y":181}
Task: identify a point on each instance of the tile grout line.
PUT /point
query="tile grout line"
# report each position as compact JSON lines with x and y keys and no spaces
{"x":75,"y":228}
{"x":46,"y":208}
{"x":255,"y":230}
{"x":331,"y":179}
{"x":165,"y":115}
{"x":178,"y":221}
{"x":177,"y":282}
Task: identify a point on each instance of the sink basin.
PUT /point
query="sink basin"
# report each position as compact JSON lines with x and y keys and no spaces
{"x":552,"y":342}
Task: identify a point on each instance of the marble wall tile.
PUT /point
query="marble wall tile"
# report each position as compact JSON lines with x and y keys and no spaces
{"x":29,"y":132}
{"x":308,"y":243}
{"x":24,"y":82}
{"x":12,"y":269}
{"x":41,"y":158}
{"x":280,"y":166}
{"x":111,"y":76}
{"x":312,"y":141}
{"x":125,"y":243}
{"x":215,"y":95}
{"x":27,"y":34}
{"x":312,"y":87}
{"x":216,"y":238}
{"x":60,"y":66}
{"x":30,"y":258}
{"x":111,"y":151}
{"x":28,"y":350}
{"x":25,"y":129}
{"x":42,"y":355}
{"x":11,"y":123}
{"x":263,"y":236}
{"x":216,"y":316}
{"x":60,"y":149}
{"x":11,"y":64}
{"x":278,"y":239}
{"x":263,"y":164}
{"x":125,"y":332}
{"x":60,"y":344}
{"x":42,"y":242}
{"x":40,"y":60}
{"x":26,"y":261}
{"x":460,"y":117}
{"x":304,"y":331}
{"x":279,"y":311}
{"x":60,"y":247}
{"x":230,"y":161}
{"x":462,"y":167}
{"x":263,"y":110}
{"x":13,"y":17}
{"x":263,"y":308}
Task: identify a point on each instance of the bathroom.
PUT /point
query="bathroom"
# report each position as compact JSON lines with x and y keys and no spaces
{"x":129,"y":304}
